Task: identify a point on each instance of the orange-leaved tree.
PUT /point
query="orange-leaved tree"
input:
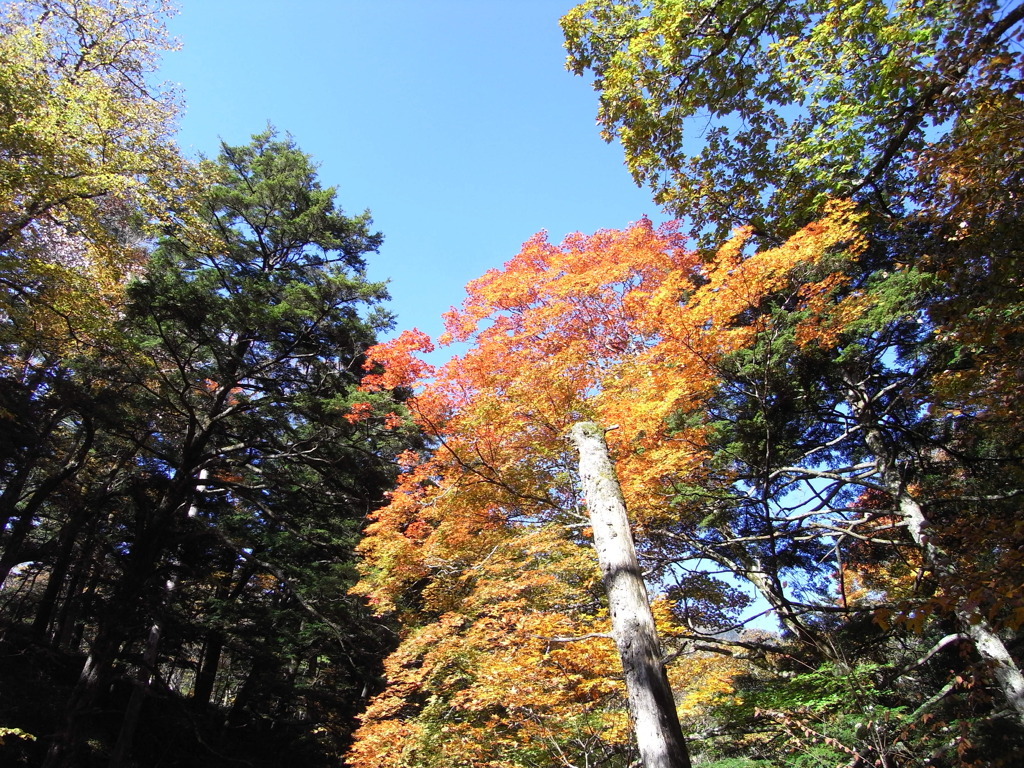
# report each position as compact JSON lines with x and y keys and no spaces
{"x":482,"y":552}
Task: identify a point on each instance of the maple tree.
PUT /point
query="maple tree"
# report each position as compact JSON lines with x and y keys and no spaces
{"x":816,"y":421}
{"x":562,"y":334}
{"x":761,"y":397}
{"x":864,"y":447}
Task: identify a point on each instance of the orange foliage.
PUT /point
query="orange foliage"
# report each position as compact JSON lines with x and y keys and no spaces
{"x":472,"y":551}
{"x":493,"y":673}
{"x":358,"y":411}
{"x":704,"y":679}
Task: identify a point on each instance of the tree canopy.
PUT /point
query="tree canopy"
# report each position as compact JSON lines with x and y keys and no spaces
{"x":186,"y":461}
{"x":777,"y":439}
{"x":88,"y":156}
{"x":751,"y":113}
{"x":805,"y":415}
{"x":237,"y":526}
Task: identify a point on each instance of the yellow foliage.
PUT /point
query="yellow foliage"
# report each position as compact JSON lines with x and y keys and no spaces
{"x":504,"y":645}
{"x":87,"y":159}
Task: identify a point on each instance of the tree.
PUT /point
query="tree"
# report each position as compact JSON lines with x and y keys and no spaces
{"x":249,"y":477}
{"x":774,"y":422}
{"x":593,"y":328}
{"x":87,"y":168}
{"x":913,"y":110}
{"x":181,"y":463}
{"x":86,"y":156}
{"x":756,"y":114}
{"x":898,"y":416}
{"x":506,"y":660}
{"x":651,"y":702}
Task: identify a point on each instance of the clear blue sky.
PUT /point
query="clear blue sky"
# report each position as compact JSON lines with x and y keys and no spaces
{"x":454,"y":121}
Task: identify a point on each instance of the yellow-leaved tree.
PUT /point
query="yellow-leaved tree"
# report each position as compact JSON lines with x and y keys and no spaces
{"x":87,"y":160}
{"x":483,"y":552}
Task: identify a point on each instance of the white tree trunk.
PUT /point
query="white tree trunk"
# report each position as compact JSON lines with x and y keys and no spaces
{"x":651,"y":703}
{"x":987,"y":643}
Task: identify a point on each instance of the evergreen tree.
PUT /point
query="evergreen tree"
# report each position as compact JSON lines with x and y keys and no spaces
{"x":253,"y":461}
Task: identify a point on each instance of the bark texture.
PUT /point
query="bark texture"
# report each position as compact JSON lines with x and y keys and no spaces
{"x":651,"y":703}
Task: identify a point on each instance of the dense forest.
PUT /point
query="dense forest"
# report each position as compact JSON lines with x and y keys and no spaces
{"x":183,"y":480}
{"x":239,"y":529}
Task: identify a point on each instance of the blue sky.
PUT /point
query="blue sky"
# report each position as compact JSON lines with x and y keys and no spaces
{"x":454,"y":121}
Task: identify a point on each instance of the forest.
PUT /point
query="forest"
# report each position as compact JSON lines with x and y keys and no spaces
{"x":249,"y":519}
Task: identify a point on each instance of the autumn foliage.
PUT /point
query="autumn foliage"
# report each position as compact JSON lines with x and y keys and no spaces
{"x":482,"y":551}
{"x":230,"y":521}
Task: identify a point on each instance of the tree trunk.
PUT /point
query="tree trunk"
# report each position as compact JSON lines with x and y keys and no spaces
{"x":66,"y":746}
{"x":83,"y":585}
{"x":206,"y":675}
{"x":769,"y":587}
{"x":263,"y":667}
{"x":987,"y":643}
{"x":141,"y":686}
{"x":213,"y":647}
{"x":651,"y":703}
{"x":23,"y":520}
{"x":70,"y":537}
{"x":113,"y":631}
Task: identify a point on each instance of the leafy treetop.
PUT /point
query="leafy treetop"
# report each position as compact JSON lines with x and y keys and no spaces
{"x":751,"y":113}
